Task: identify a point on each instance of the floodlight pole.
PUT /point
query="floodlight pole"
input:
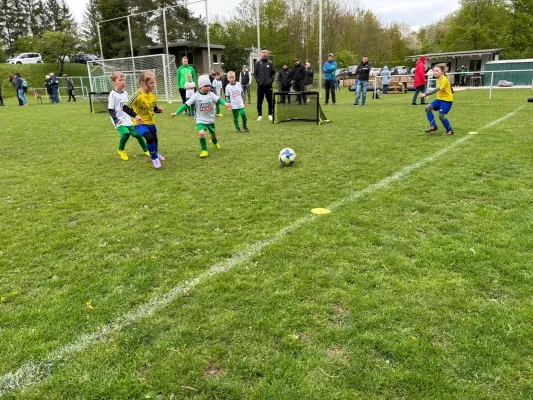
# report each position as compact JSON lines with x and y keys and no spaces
{"x":319,"y":46}
{"x":131,"y":45}
{"x":208,"y":38}
{"x":258,"y":26}
{"x":165,"y":28}
{"x":100,"y":41}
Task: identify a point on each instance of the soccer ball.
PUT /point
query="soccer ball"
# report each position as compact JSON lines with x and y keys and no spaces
{"x":287,"y":156}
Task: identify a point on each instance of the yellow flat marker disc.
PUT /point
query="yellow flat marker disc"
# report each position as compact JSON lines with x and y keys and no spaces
{"x":320,"y":211}
{"x":472,"y":133}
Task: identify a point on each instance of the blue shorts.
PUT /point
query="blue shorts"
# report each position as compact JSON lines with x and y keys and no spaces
{"x":143,"y":129}
{"x":442,"y":106}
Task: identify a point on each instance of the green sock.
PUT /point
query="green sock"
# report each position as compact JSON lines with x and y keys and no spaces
{"x":203,"y":143}
{"x":122,"y":142}
{"x":142,"y":143}
{"x":214,"y":138}
{"x":218,"y":109}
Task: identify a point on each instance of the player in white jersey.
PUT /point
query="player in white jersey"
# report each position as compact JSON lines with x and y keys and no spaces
{"x":217,"y":88}
{"x":234,"y":95}
{"x":120,"y":120}
{"x":205,"y":112}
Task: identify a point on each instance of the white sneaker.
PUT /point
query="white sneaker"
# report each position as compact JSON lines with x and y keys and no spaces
{"x":270,"y":117}
{"x":157,"y":163}
{"x":260,"y":118}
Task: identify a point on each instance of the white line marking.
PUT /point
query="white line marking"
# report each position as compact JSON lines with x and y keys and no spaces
{"x":31,"y":373}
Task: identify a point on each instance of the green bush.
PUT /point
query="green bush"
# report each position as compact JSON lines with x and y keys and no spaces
{"x":35,"y":74}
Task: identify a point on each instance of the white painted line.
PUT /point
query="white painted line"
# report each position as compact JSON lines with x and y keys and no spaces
{"x":31,"y":373}
{"x":472,"y":133}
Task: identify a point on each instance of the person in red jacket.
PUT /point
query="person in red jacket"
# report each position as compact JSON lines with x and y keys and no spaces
{"x":419,"y":81}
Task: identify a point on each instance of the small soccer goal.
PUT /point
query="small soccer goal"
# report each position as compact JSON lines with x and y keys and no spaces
{"x":298,"y":106}
{"x":98,"y":101}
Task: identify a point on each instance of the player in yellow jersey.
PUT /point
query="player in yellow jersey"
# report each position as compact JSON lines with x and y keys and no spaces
{"x":141,"y":107}
{"x":444,"y":100}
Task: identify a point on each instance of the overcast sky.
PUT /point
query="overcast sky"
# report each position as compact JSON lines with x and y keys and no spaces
{"x":413,"y":12}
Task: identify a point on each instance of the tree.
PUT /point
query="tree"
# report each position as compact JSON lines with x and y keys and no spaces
{"x":520,"y":29}
{"x":55,"y":45}
{"x":235,"y":57}
{"x":89,"y":31}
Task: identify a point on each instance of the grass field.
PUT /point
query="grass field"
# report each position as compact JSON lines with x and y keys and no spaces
{"x":211,"y":279}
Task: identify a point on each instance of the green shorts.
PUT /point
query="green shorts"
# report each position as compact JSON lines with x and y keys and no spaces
{"x":205,"y":127}
{"x":126,"y":130}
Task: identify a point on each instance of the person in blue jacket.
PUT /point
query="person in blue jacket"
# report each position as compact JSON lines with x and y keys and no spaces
{"x":330,"y":69}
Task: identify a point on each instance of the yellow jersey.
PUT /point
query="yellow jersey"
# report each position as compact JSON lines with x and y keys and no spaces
{"x":445,"y":89}
{"x":143,"y":104}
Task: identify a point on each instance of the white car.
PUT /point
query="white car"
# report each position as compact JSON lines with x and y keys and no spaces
{"x":375,"y":71}
{"x":402,"y":70}
{"x":26,"y":58}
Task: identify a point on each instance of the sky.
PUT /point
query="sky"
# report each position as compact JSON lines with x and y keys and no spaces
{"x":413,"y":12}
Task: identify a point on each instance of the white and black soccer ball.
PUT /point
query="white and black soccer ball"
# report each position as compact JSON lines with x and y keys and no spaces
{"x":287,"y":156}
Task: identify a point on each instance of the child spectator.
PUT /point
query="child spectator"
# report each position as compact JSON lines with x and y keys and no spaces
{"x":444,"y":100}
{"x":235,"y":95}
{"x":120,"y":120}
{"x":217,"y":88}
{"x":245,"y":79}
{"x":190,"y":87}
{"x":385,"y":79}
{"x":141,"y":107}
{"x":54,"y":84}
{"x":205,"y":114}
{"x":70,"y":88}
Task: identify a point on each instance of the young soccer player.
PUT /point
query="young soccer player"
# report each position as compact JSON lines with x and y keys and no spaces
{"x":217,"y":88}
{"x":122,"y":121}
{"x":190,"y":86}
{"x":205,"y":113}
{"x":444,"y":100}
{"x":141,"y":107}
{"x":234,"y":95}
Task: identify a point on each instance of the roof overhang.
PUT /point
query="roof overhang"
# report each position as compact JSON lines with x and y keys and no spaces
{"x":454,"y":54}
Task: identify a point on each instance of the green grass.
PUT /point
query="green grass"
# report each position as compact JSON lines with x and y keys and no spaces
{"x":420,"y":289}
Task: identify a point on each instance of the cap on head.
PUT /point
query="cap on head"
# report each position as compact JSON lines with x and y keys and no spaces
{"x":203,"y":80}
{"x":330,"y":55}
{"x":296,"y":60}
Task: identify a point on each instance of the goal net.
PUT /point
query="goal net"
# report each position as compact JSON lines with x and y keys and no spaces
{"x":298,"y":106}
{"x":98,"y":101}
{"x":162,"y":65}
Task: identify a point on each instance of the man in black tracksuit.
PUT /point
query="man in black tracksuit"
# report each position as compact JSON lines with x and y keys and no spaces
{"x":298,"y":76}
{"x":264,"y":76}
{"x":284,"y":82}
{"x":363,"y":75}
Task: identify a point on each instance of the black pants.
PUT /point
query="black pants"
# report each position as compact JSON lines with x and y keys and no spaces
{"x":182,"y":94}
{"x":285,"y":97}
{"x":299,"y":87}
{"x":330,"y":87}
{"x":264,"y":91}
{"x":71,"y":95}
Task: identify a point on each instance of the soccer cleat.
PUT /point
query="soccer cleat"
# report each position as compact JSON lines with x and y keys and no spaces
{"x":260,"y":118}
{"x":219,"y":115}
{"x":431,"y":129}
{"x":147,"y":153}
{"x":270,"y":117}
{"x":217,"y":145}
{"x":246,"y":130}
{"x":204,"y":154}
{"x":449,"y":133}
{"x":161,"y":158}
{"x":157,"y":163}
{"x":238,"y":130}
{"x":123,"y":155}
{"x":355,"y":104}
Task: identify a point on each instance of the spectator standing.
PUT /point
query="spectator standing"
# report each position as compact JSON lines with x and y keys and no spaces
{"x":419,"y":80}
{"x":309,"y":76}
{"x":298,"y":76}
{"x":363,"y":75}
{"x":264,"y":76}
{"x":385,"y":79}
{"x":330,"y":68}
{"x":13,"y":81}
{"x":212,"y":76}
{"x":284,"y":82}
{"x":181,"y":76}
{"x":1,"y":98}
{"x":464,"y":70}
{"x":22,"y":86}
{"x":70,"y":88}
{"x":55,"y":88}
{"x":245,"y":79}
{"x":48,"y":87}
{"x":430,"y":74}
